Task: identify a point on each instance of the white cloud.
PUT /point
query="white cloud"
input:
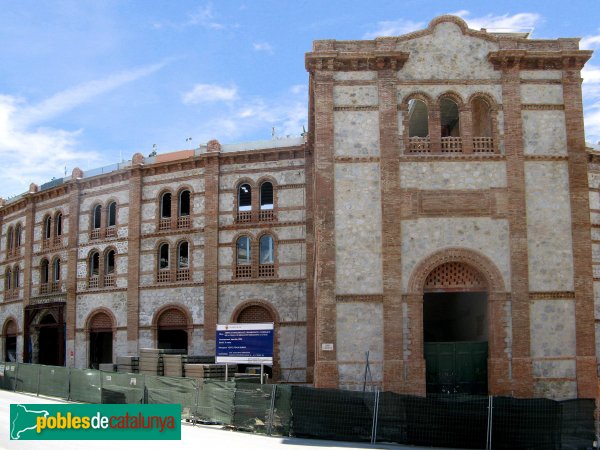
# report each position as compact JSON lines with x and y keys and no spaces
{"x":591,"y":96}
{"x":209,"y":93}
{"x":262,"y":47}
{"x":77,"y":95}
{"x":590,"y":42}
{"x":204,"y":16}
{"x":503,"y":22}
{"x":32,"y":151}
{"x":394,"y":28}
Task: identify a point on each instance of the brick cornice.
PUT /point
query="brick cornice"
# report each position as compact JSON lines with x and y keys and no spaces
{"x":539,"y":60}
{"x":342,"y":61}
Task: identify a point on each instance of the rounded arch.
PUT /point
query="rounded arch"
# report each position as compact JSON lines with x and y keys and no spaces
{"x":10,"y":239}
{"x":18,"y":231}
{"x":481,"y":263}
{"x":165,"y":197}
{"x":10,"y":327}
{"x":112,"y":205}
{"x":102,"y":319}
{"x":47,"y":226}
{"x":237,"y":312}
{"x":488,"y":98}
{"x":172,"y":327}
{"x":451,"y":95}
{"x":244,"y":180}
{"x":180,"y":313}
{"x":417,"y":95}
{"x":178,"y":248}
{"x":184,"y":201}
{"x":449,"y":18}
{"x":58,"y":223}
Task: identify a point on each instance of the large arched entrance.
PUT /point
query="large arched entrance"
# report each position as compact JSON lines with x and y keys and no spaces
{"x":172,"y":330}
{"x":100,"y":339}
{"x":9,"y":333}
{"x":457,"y":296}
{"x":455,"y":330}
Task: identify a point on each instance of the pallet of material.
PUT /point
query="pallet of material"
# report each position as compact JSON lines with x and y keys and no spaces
{"x":213,"y":371}
{"x":127,"y":364}
{"x":173,"y":365}
{"x":107,"y":367}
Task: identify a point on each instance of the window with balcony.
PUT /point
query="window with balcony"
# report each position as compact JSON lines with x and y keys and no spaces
{"x":96,"y":222}
{"x":58,"y":228}
{"x":8,"y":279}
{"x":418,"y":127}
{"x":164,"y":273}
{"x":111,"y":226}
{"x":183,"y":209}
{"x":165,"y":211}
{"x":47,"y":236}
{"x":183,"y":261}
{"x":44,"y":276}
{"x":266,"y":267}
{"x":109,"y":268}
{"x":243,"y":258}
{"x":18,"y":232}
{"x":244,"y":213}
{"x":94,"y":273}
{"x":56,"y":275}
{"x":10,"y":242}
{"x":481,"y":119}
{"x":266,"y":201}
{"x":450,"y":126}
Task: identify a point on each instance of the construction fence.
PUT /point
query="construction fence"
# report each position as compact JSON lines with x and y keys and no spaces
{"x":458,"y":421}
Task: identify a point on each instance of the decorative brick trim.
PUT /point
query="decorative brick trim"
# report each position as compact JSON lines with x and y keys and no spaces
{"x":261,"y":170}
{"x":552,"y":158}
{"x":539,"y":60}
{"x":89,"y":321}
{"x":449,"y":82}
{"x":356,"y":108}
{"x":356,"y":159}
{"x":248,"y":225}
{"x":104,"y":191}
{"x":262,"y":280}
{"x":355,"y":82}
{"x":293,"y":323}
{"x":475,"y":157}
{"x":554,"y":295}
{"x":336,"y":61}
{"x":359,"y":298}
{"x":541,"y":81}
{"x":542,"y":107}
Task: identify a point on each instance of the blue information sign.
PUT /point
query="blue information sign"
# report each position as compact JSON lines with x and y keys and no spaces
{"x":245,"y":343}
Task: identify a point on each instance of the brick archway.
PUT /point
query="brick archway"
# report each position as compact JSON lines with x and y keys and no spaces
{"x":458,"y":270}
{"x":101,"y":336}
{"x":172,"y":317}
{"x":260,"y":311}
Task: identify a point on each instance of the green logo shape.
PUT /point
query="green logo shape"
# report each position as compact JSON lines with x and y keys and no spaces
{"x":94,"y":422}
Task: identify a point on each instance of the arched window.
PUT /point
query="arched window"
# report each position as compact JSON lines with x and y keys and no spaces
{"x":165,"y":205}
{"x":418,"y":126}
{"x":266,"y":267}
{"x":10,"y":240}
{"x":44,"y":276}
{"x":184,"y":203}
{"x":449,"y":118}
{"x":58,"y":224}
{"x":266,"y":195}
{"x":183,"y":257}
{"x":243,"y":258}
{"x":47,"y":227}
{"x":254,"y":314}
{"x":481,"y":119}
{"x":16,"y":277}
{"x":18,"y":231}
{"x":56,"y":270}
{"x":94,"y":266}
{"x":97,"y":219}
{"x":164,"y":274}
{"x":245,"y":197}
{"x":8,"y":279}
{"x":109,"y":268}
{"x":112,"y":214}
{"x":266,"y":250}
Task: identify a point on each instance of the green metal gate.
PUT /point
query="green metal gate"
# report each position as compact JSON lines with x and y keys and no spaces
{"x":456,"y":367}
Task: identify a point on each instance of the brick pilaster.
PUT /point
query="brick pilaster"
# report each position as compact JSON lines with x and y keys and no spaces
{"x":587,"y":377}
{"x":393,"y":370}
{"x":211,"y":242}
{"x":73,"y":243}
{"x":522,"y":375}
{"x":310,"y":259}
{"x":326,"y":370}
{"x":133,"y":268}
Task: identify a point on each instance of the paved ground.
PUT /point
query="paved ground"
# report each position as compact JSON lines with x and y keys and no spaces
{"x":198,"y":437}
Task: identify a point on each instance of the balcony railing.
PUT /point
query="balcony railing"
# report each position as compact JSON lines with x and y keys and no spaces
{"x":483,"y":145}
{"x":183,"y":222}
{"x":163,"y":276}
{"x":164,"y":223}
{"x":109,"y":280}
{"x":95,"y":233}
{"x":44,"y":288}
{"x":55,"y":286}
{"x":451,"y":144}
{"x":94,"y":282}
{"x":266,"y":215}
{"x":46,"y":242}
{"x":111,"y":231}
{"x":11,"y":294}
{"x":244,"y":217}
{"x":243,"y":271}
{"x":182,"y":275}
{"x":266,"y":270}
{"x":419,"y":145}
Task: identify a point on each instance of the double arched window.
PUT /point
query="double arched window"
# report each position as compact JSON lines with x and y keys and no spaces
{"x":181,"y":203}
{"x":13,"y":240}
{"x":50,"y":275}
{"x":101,"y":269}
{"x":246,"y":201}
{"x":166,"y":271}
{"x":449,"y":125}
{"x":104,"y":221}
{"x":246,"y":266}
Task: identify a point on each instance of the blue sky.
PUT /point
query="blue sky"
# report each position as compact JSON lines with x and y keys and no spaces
{"x":85,"y":83}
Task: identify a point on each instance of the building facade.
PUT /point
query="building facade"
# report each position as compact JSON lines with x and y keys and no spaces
{"x":439,"y":221}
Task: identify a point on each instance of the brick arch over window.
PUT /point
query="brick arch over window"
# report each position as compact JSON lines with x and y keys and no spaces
{"x":459,"y":269}
{"x":10,"y":327}
{"x":260,"y":311}
{"x":417,"y":144}
{"x":172,"y":316}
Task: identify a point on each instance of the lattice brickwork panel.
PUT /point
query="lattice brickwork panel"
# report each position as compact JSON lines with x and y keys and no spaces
{"x":254,"y":314}
{"x":454,"y":276}
{"x":101,"y":321}
{"x":172,"y":318}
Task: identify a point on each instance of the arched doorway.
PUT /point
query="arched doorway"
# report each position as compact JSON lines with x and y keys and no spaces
{"x":48,"y":341}
{"x":455,"y":329}
{"x":100,"y":339}
{"x":10,"y":341}
{"x":172,"y":330}
{"x":258,"y":313}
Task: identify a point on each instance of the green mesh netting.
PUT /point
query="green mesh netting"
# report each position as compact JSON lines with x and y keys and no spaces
{"x":28,"y":377}
{"x":54,"y":381}
{"x":8,"y":381}
{"x":85,"y":386}
{"x":122,"y":387}
{"x":215,"y":402}
{"x":182,"y":391}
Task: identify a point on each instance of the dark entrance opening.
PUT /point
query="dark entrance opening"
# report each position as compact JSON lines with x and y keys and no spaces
{"x":173,"y":339}
{"x":455,"y":334}
{"x":48,"y":341}
{"x":10,"y":349}
{"x":100,"y":348}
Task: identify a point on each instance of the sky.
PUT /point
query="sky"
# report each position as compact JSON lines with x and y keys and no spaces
{"x":87,"y":83}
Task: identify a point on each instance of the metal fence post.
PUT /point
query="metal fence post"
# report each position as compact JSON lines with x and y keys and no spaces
{"x":271,"y":410}
{"x":196,"y":402}
{"x":16,"y":377}
{"x":69,"y":381}
{"x":38,"y":383}
{"x":488,"y":436}
{"x":375,"y":417}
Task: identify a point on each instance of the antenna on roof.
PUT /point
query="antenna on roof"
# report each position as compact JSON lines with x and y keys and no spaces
{"x":188,"y":139}
{"x":153,"y":152}
{"x":272,"y":132}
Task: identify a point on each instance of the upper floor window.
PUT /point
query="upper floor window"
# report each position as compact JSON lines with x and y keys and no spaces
{"x":164,"y":274}
{"x":10,"y":241}
{"x":266,"y":201}
{"x":47,"y":227}
{"x":183,"y":261}
{"x":245,"y":197}
{"x":109,"y":268}
{"x":94,"y":264}
{"x":243,"y":257}
{"x":16,"y":277}
{"x":112,"y":214}
{"x":266,"y":267}
{"x":483,"y":125}
{"x":56,"y":270}
{"x":183,"y":209}
{"x":165,"y":205}
{"x":44,"y":271}
{"x":18,"y":232}
{"x":8,"y":279}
